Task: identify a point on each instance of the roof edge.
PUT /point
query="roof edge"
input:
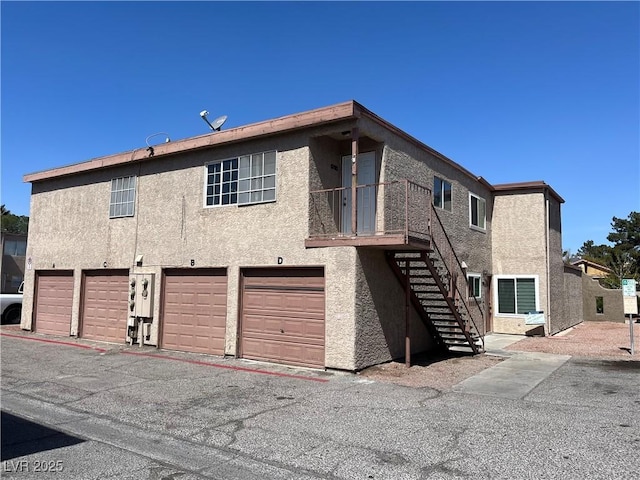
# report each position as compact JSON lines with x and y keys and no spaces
{"x":363,"y":111}
{"x":597,"y":265}
{"x":333,"y":113}
{"x":524,"y":186}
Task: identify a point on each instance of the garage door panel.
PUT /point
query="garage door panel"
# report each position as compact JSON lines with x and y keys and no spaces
{"x":282,"y":317}
{"x":287,"y":339}
{"x":195,"y":311}
{"x":105,"y":311}
{"x":296,"y":354}
{"x":285,"y":304}
{"x":53,"y":304}
{"x":256,"y":323}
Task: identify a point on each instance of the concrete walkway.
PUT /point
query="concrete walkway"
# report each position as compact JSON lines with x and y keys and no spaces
{"x":516,"y":376}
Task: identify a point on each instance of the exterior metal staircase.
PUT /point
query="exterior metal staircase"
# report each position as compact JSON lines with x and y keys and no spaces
{"x":418,"y":250}
{"x":438,"y":292}
{"x":436,"y":298}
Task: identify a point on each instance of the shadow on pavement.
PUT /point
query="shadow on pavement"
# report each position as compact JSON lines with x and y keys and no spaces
{"x":22,"y":437}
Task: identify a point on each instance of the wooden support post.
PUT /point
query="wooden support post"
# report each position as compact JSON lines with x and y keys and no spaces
{"x":407,"y":313}
{"x":354,"y":180}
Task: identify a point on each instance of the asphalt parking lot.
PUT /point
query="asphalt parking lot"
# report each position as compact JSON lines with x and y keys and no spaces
{"x":94,"y":411}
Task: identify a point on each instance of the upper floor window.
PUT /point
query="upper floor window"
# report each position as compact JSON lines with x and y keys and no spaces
{"x":517,"y":294}
{"x":123,"y":197}
{"x":477,"y":212}
{"x":441,"y":193}
{"x":241,"y":180}
{"x":475,"y":285}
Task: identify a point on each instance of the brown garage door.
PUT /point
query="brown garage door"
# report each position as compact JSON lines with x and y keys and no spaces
{"x":283,"y":316}
{"x":54,"y":297}
{"x":194,"y":310}
{"x":105,"y":305}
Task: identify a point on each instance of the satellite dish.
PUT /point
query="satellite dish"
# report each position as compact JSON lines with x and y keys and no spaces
{"x":217,"y":123}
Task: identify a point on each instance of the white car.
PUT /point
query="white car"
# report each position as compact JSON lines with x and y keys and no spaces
{"x":11,"y":306}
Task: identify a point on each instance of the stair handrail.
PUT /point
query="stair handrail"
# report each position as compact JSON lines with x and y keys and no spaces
{"x":460,"y":270}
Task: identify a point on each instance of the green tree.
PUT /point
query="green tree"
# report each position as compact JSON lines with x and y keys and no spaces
{"x":623,"y":257}
{"x":626,"y":231}
{"x":622,"y":265}
{"x":626,"y":239}
{"x":596,"y":253}
{"x":14,"y":223}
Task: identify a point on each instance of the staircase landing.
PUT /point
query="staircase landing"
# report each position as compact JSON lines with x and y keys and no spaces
{"x":387,"y":241}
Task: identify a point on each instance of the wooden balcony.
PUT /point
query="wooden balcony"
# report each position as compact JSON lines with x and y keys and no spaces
{"x":393,"y":216}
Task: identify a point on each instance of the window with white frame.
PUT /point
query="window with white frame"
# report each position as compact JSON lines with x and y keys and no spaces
{"x":475,"y":285}
{"x":517,"y":295}
{"x":242,"y":180}
{"x":123,"y":197}
{"x":477,"y":212}
{"x":441,"y":193}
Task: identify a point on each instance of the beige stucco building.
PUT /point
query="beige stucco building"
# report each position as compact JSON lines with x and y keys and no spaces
{"x":329,"y":239}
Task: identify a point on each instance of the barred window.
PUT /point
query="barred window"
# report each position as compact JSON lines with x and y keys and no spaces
{"x":123,"y":197}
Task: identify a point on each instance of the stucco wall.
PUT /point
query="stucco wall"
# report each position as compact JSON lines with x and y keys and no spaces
{"x":380,"y":310}
{"x":70,"y":229}
{"x":519,"y":246}
{"x":572,"y":308}
{"x":558,"y":316}
{"x":613,"y":304}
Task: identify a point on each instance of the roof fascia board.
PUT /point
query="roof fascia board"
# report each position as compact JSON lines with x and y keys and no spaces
{"x":320,"y":116}
{"x":589,"y":263}
{"x":527,"y":186}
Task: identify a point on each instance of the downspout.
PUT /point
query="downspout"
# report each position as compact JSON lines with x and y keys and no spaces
{"x":548,"y":266}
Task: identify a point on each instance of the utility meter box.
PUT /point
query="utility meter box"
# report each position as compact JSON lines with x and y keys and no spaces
{"x":141,"y":295}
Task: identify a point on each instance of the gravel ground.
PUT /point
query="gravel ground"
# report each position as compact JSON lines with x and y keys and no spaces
{"x":608,"y":340}
{"x":587,"y":339}
{"x":438,"y":372}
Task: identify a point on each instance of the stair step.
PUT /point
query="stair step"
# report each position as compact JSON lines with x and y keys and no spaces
{"x":449,"y":329}
{"x":445,"y":323}
{"x":454,"y":338}
{"x":429,"y":294}
{"x":456,"y":342}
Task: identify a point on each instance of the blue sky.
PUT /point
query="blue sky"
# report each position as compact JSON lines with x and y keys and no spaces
{"x":513,"y":91}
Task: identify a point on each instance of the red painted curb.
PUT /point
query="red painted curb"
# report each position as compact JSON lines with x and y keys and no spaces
{"x":162,"y":357}
{"x":56,"y":342}
{"x":228,"y":367}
